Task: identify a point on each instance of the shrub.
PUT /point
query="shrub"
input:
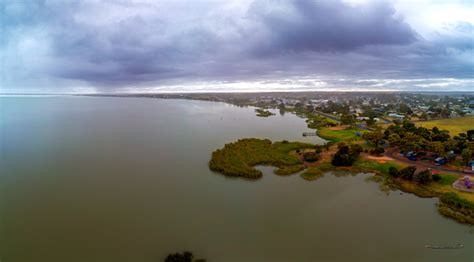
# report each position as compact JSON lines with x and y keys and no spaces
{"x":436,"y":177}
{"x":346,"y":155}
{"x":407,"y":172}
{"x":423,"y":177}
{"x":452,"y":199}
{"x":356,"y":149}
{"x":377,"y":151}
{"x":393,"y":171}
{"x":311,"y":157}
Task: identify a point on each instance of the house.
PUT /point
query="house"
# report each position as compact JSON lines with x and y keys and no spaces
{"x":468,"y":111}
{"x":362,"y":118}
{"x":394,"y":115}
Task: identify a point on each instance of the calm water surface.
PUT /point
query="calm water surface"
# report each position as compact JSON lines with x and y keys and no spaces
{"x":126,"y":179}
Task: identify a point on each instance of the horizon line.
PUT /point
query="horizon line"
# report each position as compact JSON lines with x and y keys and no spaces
{"x":224,"y":92}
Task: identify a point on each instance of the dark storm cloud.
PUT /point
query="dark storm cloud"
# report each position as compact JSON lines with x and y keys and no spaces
{"x":330,"y":26}
{"x":137,"y":43}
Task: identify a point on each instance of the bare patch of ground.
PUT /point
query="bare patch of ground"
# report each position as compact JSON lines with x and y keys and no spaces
{"x":380,"y":159}
{"x":336,"y":128}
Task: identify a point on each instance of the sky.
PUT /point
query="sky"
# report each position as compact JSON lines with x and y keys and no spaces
{"x":146,"y":46}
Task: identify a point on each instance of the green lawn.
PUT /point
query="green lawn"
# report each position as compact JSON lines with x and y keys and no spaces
{"x":447,"y":179}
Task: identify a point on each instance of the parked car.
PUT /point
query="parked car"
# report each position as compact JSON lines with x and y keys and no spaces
{"x":411,"y":156}
{"x":440,"y":161}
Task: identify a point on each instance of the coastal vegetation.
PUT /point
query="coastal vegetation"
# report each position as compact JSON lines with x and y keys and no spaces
{"x":239,"y":159}
{"x":263,"y":113}
{"x":451,"y":205}
{"x":317,"y":171}
{"x":354,"y":149}
{"x":313,"y":161}
{"x":346,"y":155}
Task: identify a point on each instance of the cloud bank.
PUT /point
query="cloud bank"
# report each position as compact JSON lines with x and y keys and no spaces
{"x":146,"y":46}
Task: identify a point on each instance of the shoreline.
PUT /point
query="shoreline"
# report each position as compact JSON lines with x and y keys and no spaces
{"x":239,"y":159}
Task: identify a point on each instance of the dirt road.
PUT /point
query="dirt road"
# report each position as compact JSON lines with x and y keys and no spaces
{"x":395,"y":154}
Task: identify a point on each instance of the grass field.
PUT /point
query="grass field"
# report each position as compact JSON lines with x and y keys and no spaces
{"x":453,"y":125}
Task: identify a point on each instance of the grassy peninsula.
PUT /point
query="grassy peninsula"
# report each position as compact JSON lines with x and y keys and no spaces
{"x":239,"y":159}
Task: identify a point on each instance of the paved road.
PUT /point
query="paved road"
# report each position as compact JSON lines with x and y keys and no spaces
{"x":327,"y":115}
{"x":361,"y":126}
{"x":396,"y":155}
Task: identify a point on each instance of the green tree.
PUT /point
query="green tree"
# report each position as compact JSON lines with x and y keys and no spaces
{"x":437,"y":147}
{"x":377,"y":151}
{"x":407,"y":172}
{"x":393,"y":171}
{"x":346,"y":155}
{"x":405,"y":109}
{"x":394,"y":139}
{"x":409,"y":126}
{"x":445,"y":112}
{"x":466,"y":155}
{"x":439,"y":135}
{"x":347,"y":119}
{"x":370,"y":122}
{"x":282,"y":109}
{"x":423,"y":177}
{"x":424,"y":116}
{"x":470,"y":135}
{"x":375,"y":137}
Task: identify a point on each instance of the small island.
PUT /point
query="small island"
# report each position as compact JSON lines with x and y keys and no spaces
{"x":263,"y":113}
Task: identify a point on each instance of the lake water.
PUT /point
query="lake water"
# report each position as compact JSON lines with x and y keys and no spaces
{"x":126,"y":179}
